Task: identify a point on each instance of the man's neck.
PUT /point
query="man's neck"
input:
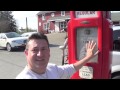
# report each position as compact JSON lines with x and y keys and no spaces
{"x":38,"y":71}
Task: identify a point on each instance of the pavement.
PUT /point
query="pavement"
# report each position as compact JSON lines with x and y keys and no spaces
{"x":55,"y":40}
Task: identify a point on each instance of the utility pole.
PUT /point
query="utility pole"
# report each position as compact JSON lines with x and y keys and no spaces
{"x":26,"y":25}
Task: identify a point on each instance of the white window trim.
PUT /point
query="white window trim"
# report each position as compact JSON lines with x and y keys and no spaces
{"x":39,"y":23}
{"x":64,"y":24}
{"x":62,"y":13}
{"x":43,"y":16}
{"x":52,"y":14}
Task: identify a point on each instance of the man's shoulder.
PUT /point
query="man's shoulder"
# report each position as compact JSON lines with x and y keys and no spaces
{"x":51,"y":65}
{"x":23,"y":74}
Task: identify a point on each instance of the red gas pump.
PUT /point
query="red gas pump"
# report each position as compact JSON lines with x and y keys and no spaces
{"x":85,"y":26}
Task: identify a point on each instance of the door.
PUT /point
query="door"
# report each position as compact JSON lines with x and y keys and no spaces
{"x":56,"y":26}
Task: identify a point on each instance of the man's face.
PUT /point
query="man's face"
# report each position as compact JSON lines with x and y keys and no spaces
{"x":38,"y":54}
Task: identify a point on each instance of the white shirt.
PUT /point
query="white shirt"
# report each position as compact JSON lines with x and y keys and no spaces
{"x":52,"y":72}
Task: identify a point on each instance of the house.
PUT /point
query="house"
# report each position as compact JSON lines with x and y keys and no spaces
{"x":53,"y":21}
{"x":56,"y":21}
{"x":115,"y":17}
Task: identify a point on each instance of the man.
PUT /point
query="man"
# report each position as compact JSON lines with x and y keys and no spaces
{"x":38,"y":53}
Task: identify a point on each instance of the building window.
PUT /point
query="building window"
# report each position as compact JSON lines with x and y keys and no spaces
{"x":39,"y":23}
{"x":62,"y":13}
{"x":46,"y":26}
{"x":116,"y":23}
{"x":52,"y":14}
{"x":63,"y":25}
{"x":43,"y":17}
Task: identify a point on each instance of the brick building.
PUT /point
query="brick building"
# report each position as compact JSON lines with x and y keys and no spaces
{"x":52,"y":21}
{"x":56,"y":21}
{"x":115,"y":17}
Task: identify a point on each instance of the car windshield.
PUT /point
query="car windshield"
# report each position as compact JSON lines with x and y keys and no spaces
{"x":12,"y":35}
{"x":116,"y":34}
{"x":27,"y":34}
{"x":116,"y":39}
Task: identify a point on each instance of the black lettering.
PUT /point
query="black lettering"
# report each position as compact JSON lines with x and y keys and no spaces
{"x":80,"y":13}
{"x":77,"y":13}
{"x":92,"y":12}
{"x":83,"y":12}
{"x":86,"y":12}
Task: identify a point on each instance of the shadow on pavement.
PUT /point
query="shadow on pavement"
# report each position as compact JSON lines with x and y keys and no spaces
{"x":2,"y":48}
{"x":14,"y":50}
{"x":53,"y":45}
{"x":18,"y":50}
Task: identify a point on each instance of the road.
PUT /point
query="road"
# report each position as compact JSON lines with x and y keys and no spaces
{"x":12,"y":63}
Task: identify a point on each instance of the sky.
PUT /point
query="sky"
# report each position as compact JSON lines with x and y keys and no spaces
{"x":20,"y":17}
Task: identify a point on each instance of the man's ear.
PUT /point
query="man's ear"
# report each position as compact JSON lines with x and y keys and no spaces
{"x":26,"y":52}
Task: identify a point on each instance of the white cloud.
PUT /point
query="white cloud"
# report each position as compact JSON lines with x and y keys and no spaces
{"x":20,"y":17}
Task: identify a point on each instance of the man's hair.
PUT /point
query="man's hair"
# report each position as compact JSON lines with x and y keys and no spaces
{"x":38,"y":35}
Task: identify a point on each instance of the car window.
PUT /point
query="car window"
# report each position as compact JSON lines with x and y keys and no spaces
{"x":116,"y":40}
{"x":27,"y":34}
{"x":24,"y":35}
{"x":12,"y":35}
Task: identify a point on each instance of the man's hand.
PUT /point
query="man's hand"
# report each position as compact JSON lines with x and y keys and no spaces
{"x":89,"y":54}
{"x":90,"y":48}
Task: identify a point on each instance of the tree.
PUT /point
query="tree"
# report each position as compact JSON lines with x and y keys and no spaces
{"x":7,"y":22}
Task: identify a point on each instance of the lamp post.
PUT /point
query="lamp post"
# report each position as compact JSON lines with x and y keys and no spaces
{"x":26,"y":25}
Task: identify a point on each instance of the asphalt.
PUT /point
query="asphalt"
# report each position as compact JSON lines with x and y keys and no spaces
{"x":55,"y":40}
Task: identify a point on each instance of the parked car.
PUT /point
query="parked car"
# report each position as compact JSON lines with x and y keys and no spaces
{"x":27,"y":34}
{"x":116,"y":53}
{"x":12,"y":40}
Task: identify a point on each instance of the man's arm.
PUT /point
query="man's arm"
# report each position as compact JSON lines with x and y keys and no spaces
{"x":89,"y":54}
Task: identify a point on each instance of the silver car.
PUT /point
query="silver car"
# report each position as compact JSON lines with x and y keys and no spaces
{"x":27,"y":34}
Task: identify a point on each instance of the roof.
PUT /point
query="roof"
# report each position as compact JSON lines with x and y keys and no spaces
{"x":59,"y":18}
{"x":43,"y":12}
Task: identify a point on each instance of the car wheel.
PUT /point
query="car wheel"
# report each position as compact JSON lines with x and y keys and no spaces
{"x":9,"y":48}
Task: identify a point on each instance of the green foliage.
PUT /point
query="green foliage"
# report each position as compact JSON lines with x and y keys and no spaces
{"x":7,"y":22}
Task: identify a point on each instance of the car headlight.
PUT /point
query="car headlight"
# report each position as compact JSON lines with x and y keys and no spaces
{"x":14,"y":41}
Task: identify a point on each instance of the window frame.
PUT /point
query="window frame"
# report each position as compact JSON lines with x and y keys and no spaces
{"x":43,"y":17}
{"x":63,"y":25}
{"x":62,"y":13}
{"x":46,"y":25}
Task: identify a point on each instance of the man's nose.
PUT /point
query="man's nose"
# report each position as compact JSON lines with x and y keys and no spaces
{"x":40,"y":53}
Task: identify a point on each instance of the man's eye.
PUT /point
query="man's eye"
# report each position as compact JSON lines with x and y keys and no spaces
{"x":43,"y":48}
{"x":35,"y":50}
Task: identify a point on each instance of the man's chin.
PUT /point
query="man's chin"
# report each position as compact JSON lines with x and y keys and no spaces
{"x":41,"y":66}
